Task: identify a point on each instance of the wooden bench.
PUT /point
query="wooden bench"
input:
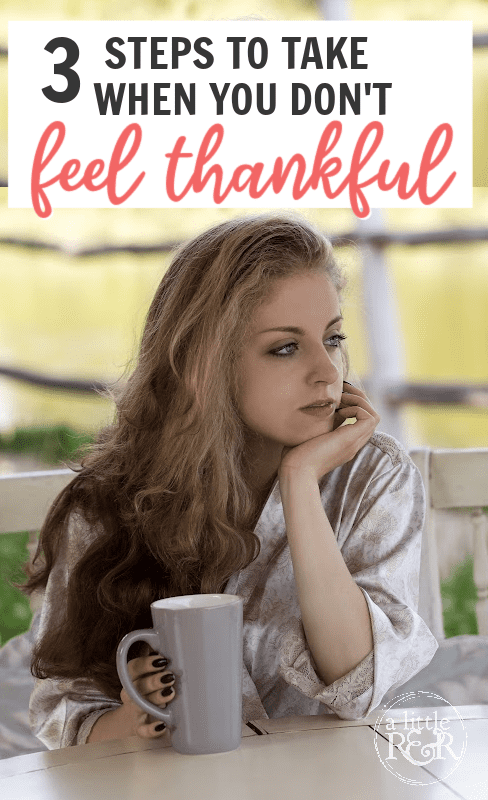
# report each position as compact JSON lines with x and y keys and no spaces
{"x":453,"y":480}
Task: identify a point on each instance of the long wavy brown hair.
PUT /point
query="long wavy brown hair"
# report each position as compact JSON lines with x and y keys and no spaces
{"x":166,"y":487}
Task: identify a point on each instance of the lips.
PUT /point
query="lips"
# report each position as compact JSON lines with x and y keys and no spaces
{"x":321,"y":412}
{"x":318,"y":403}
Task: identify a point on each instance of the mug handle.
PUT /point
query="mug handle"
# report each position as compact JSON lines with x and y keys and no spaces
{"x":149,"y":636}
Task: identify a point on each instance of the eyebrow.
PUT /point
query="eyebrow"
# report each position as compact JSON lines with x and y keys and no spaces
{"x":298,"y":331}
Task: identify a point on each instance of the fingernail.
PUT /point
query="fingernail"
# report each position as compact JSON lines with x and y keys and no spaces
{"x":160,"y":662}
{"x":167,"y":678}
{"x":166,"y":692}
{"x":160,"y":727}
{"x":348,"y":383}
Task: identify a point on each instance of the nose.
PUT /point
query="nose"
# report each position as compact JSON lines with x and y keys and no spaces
{"x":323,"y":367}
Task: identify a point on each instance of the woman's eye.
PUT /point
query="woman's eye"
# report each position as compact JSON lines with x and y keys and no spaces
{"x":336,"y":339}
{"x":332,"y":341}
{"x":278,"y":352}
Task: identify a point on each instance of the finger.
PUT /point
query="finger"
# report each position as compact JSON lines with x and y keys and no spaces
{"x":146,"y":665}
{"x":127,"y":701}
{"x":350,"y":397}
{"x":154,"y":682}
{"x":149,"y":731}
{"x":360,"y":432}
{"x":349,"y":387}
{"x":354,"y":395}
{"x":160,"y":699}
{"x":354,"y":392}
{"x":348,"y":400}
{"x":356,"y":411}
{"x":363,"y":427}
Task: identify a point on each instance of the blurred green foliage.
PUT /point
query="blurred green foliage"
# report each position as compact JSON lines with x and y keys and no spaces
{"x":51,"y":445}
{"x":58,"y":444}
{"x":459,"y":600}
{"x":15,"y":613}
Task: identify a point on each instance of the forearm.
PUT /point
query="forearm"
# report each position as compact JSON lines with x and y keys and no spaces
{"x":334,"y":611}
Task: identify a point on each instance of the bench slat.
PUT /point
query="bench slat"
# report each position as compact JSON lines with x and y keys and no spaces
{"x":27,"y":496}
{"x":459,"y":478}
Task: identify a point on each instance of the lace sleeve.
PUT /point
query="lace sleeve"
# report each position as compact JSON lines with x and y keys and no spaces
{"x":348,"y":697}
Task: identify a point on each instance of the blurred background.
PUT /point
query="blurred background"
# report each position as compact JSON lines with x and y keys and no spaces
{"x":74,"y":291}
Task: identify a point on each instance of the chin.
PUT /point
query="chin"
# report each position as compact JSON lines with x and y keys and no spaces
{"x":316,"y":428}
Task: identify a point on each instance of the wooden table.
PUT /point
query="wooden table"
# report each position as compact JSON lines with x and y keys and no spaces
{"x":283,"y":759}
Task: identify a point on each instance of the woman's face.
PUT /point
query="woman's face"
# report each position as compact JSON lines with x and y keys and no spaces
{"x":281,"y":371}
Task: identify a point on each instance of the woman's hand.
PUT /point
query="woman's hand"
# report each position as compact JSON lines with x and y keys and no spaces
{"x":321,"y":454}
{"x":129,"y":719}
{"x":151,"y":680}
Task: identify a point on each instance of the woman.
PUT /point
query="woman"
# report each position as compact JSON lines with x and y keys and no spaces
{"x":228,"y":469}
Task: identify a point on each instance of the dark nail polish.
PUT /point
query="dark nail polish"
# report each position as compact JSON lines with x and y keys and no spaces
{"x":160,"y":727}
{"x":166,"y":692}
{"x":167,"y":678}
{"x":160,"y":662}
{"x":348,"y":383}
